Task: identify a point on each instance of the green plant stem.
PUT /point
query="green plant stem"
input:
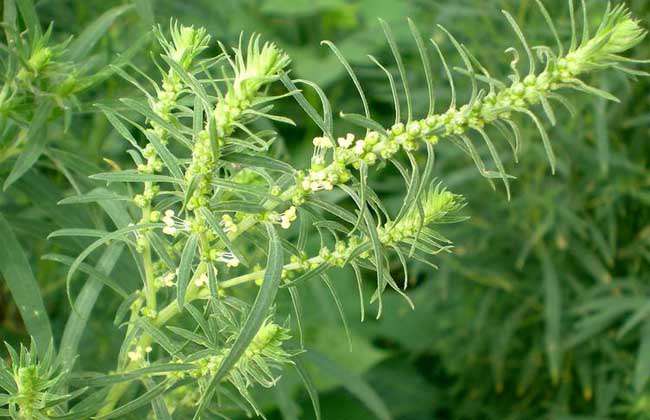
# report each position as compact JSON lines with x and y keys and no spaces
{"x":149,"y":285}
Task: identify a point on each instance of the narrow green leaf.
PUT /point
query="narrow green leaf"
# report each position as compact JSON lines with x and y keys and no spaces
{"x":198,"y":318}
{"x":91,"y":271}
{"x":503,"y":343}
{"x":311,"y":273}
{"x":9,"y":17}
{"x":283,"y":396}
{"x":118,"y":234}
{"x":28,"y":13}
{"x":140,"y":401}
{"x":242,"y":206}
{"x":189,"y":80}
{"x":158,"y":336}
{"x":426,"y":64}
{"x":147,"y":112}
{"x":35,"y":140}
{"x":94,"y":31}
{"x":376,"y":246}
{"x":158,"y":404}
{"x":364,"y":122}
{"x":339,"y":308}
{"x":400,"y":66}
{"x":170,"y":161}
{"x":78,"y":232}
{"x":353,"y":383}
{"x":309,"y":385}
{"x":545,"y":140}
{"x":305,"y":105}
{"x":189,"y":335}
{"x":216,"y":227}
{"x":104,"y":380}
{"x":185,"y":268}
{"x":337,"y":211}
{"x":602,"y":135}
{"x":119,"y":126}
{"x":124,"y":308}
{"x":466,"y":60}
{"x":327,"y":108}
{"x":638,"y":317}
{"x":552,"y":314}
{"x":245,"y":189}
{"x":522,"y":38}
{"x":146,"y":12}
{"x":642,"y":368}
{"x":24,"y":289}
{"x":94,"y":196}
{"x":352,"y":75}
{"x":256,"y":316}
{"x":497,"y":160}
{"x":132,"y":175}
{"x":410,"y":199}
{"x":578,"y":84}
{"x":86,"y":407}
{"x":259,"y":161}
{"x":393,"y":88}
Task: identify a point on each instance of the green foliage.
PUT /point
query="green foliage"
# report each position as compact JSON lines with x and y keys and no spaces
{"x":234,"y":260}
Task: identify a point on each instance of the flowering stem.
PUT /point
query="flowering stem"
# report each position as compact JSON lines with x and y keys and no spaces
{"x":617,"y":34}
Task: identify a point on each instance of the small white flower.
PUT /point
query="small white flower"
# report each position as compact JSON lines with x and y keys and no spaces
{"x":228,"y":224}
{"x":322,"y":185}
{"x":201,"y":280}
{"x":318,"y":175}
{"x":229,"y":259}
{"x":359,"y":146}
{"x":323,"y":142}
{"x":287,"y":217}
{"x":346,"y":141}
{"x":168,"y":279}
{"x":321,"y":145}
{"x":136,"y":355}
{"x":317,"y":186}
{"x":317,"y":181}
{"x":169,"y":230}
{"x":318,"y":158}
{"x":135,"y":232}
{"x":173,"y":224}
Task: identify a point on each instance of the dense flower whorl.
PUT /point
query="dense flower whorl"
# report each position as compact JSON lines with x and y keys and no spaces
{"x":254,"y":69}
{"x":618,"y":32}
{"x":186,"y":43}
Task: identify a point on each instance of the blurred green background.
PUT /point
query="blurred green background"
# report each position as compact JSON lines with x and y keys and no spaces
{"x":543,"y":309}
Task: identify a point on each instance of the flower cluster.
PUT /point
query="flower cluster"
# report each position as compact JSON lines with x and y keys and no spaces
{"x":139,"y":353}
{"x":618,"y":33}
{"x":437,"y":205}
{"x":257,"y":364}
{"x":258,"y":67}
{"x":186,"y":43}
{"x":265,"y":351}
{"x":30,"y":383}
{"x":285,"y":218}
{"x":498,"y":104}
{"x":352,"y":153}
